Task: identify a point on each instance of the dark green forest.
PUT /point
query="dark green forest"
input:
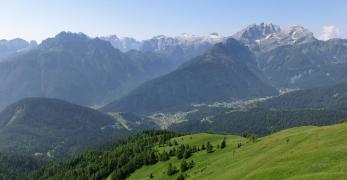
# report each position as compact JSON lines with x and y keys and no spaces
{"x":119,"y":161}
{"x":17,"y":167}
{"x":258,"y":121}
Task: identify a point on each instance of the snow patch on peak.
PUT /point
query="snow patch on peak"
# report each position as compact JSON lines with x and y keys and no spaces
{"x":297,"y":32}
{"x":160,"y":37}
{"x":211,"y":38}
{"x":184,"y":41}
{"x":123,"y":44}
{"x":293,"y":28}
{"x":187,"y":35}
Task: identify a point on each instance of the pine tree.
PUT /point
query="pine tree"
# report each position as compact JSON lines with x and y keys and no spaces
{"x":223,"y":144}
{"x":203,"y":147}
{"x":187,"y":153}
{"x":209,"y":147}
{"x":184,"y":166}
{"x":180,"y":152}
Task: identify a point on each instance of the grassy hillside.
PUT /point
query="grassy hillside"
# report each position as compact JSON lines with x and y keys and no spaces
{"x":299,"y":153}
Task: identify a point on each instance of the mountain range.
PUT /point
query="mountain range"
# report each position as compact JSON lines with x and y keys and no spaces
{"x":294,"y":58}
{"x":177,"y":49}
{"x":289,"y":58}
{"x":66,"y":65}
{"x":162,"y":42}
{"x":76,"y":68}
{"x":223,"y":73}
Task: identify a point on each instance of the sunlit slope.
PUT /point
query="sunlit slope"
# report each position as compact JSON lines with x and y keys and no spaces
{"x":297,"y":153}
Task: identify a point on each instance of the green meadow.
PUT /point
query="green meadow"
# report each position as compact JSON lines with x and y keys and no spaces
{"x":299,"y":153}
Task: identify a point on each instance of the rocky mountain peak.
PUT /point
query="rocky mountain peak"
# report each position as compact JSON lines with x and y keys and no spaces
{"x":256,"y":32}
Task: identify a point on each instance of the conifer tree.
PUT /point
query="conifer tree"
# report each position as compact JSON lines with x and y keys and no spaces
{"x":184,"y":166}
{"x":209,"y":147}
{"x":223,"y":144}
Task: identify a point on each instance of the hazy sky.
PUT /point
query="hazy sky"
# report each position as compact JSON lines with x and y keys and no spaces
{"x":39,"y":19}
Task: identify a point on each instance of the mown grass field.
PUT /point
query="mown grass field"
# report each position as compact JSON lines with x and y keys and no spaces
{"x":298,"y":153}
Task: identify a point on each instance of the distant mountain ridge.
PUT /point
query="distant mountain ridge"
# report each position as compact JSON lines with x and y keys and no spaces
{"x":11,"y":47}
{"x":123,"y":44}
{"x":177,"y":49}
{"x":76,"y":68}
{"x":161,"y":42}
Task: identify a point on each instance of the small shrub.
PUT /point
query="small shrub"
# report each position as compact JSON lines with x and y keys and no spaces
{"x":181,"y":177}
{"x":171,"y":170}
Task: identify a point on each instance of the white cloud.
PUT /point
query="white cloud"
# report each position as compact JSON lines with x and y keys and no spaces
{"x":329,"y":32}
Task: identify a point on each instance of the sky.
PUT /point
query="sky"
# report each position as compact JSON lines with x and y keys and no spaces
{"x":142,"y":19}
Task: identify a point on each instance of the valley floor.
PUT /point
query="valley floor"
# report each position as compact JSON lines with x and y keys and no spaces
{"x":298,"y":153}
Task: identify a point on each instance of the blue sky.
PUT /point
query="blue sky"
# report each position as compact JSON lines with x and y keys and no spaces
{"x":39,"y":19}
